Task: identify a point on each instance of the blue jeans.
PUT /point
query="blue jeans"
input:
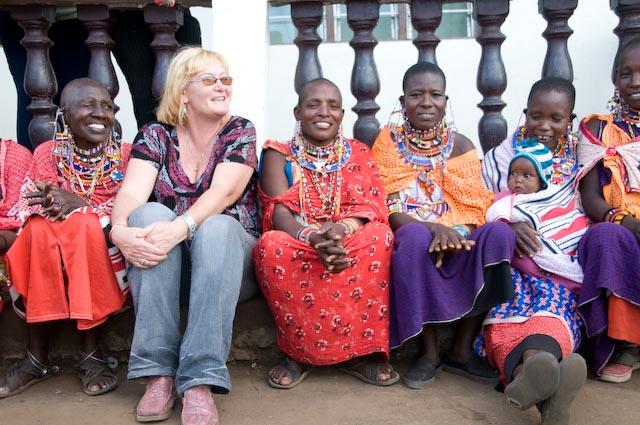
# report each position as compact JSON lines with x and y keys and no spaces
{"x":220,"y":255}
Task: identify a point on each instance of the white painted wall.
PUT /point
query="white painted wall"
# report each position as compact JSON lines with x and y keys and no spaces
{"x":592,"y":48}
{"x":263,"y":87}
{"x":240,"y":34}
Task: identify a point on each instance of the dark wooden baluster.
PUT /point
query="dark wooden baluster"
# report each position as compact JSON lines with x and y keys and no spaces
{"x":306,"y":17}
{"x":97,"y":21}
{"x":492,"y":77}
{"x":425,"y":17}
{"x":629,"y":26}
{"x":362,"y":16}
{"x":39,"y":80}
{"x":163,"y":22}
{"x":557,"y":62}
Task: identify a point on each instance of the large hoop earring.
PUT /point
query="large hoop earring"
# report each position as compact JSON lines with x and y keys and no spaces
{"x":396,"y":116}
{"x":452,"y":122}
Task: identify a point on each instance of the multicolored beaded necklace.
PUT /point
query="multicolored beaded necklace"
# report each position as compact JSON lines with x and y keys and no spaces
{"x":320,"y":168}
{"x":564,"y":156}
{"x":85,"y":173}
{"x":631,"y":118}
{"x":423,"y":150}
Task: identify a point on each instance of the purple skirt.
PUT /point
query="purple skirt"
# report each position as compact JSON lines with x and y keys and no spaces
{"x":610,"y":258}
{"x":468,"y":284}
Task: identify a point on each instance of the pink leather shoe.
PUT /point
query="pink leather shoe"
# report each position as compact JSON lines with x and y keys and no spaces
{"x":198,"y":407}
{"x":157,"y":402}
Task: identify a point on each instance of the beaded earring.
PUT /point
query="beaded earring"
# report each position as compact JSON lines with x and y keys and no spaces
{"x":297,"y":131}
{"x":615,"y":105}
{"x":60,"y":127}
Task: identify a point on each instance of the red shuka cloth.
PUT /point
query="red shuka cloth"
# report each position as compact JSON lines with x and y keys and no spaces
{"x":62,"y":269}
{"x":322,"y":317}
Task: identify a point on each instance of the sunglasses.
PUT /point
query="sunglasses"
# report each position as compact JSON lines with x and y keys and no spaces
{"x":210,"y":80}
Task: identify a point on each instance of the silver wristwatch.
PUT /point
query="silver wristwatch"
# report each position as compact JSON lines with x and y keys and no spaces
{"x":191,"y":223}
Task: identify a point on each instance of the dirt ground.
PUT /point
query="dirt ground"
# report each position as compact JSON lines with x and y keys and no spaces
{"x":326,"y":397}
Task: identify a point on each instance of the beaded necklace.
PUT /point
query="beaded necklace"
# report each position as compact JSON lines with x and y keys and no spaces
{"x":631,"y":118}
{"x":84,"y":173}
{"x":423,"y":150}
{"x":320,"y":168}
{"x":88,"y":152}
{"x":564,"y":155}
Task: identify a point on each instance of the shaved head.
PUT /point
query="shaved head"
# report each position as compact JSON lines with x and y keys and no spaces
{"x":73,"y":90}
{"x":310,"y":84}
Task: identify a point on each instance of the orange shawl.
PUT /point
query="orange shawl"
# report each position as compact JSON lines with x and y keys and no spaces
{"x":464,"y":193}
{"x":616,"y":193}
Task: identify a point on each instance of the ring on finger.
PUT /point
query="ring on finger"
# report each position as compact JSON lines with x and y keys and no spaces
{"x":142,"y":261}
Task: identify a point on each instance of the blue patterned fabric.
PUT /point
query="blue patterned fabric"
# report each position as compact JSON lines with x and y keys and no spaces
{"x":537,"y":297}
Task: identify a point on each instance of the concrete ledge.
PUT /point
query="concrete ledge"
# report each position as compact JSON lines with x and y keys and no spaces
{"x":253,"y":337}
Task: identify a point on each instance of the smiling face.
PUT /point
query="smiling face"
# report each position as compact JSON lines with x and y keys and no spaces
{"x":208,"y":100}
{"x":628,"y":76}
{"x":548,"y":115}
{"x":424,"y":100}
{"x":89,"y":112}
{"x":523,"y":177}
{"x":320,"y":112}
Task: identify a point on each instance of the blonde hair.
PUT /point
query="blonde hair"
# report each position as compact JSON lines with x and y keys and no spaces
{"x":186,"y":63}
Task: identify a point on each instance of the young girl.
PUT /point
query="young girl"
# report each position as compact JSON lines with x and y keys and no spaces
{"x":609,"y":252}
{"x":531,"y":339}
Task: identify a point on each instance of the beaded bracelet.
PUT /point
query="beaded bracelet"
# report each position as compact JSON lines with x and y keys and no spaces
{"x":303,"y":234}
{"x":350,"y":225}
{"x":395,"y":206}
{"x":462,"y":229}
{"x":619,"y":216}
{"x":609,"y":215}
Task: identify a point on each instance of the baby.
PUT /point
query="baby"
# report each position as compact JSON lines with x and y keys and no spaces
{"x":530,"y":169}
{"x":529,"y":174}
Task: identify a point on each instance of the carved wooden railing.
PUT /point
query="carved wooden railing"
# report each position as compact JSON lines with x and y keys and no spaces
{"x":36,"y":16}
{"x":362,"y":16}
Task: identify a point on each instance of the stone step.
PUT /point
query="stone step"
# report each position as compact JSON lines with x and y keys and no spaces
{"x":253,"y":336}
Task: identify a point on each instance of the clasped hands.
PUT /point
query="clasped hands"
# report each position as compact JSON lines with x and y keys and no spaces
{"x":56,"y":203}
{"x":149,"y":246}
{"x":327,"y":241}
{"x":446,"y":240}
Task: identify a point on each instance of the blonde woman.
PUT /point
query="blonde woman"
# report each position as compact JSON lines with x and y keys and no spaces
{"x":200,"y":163}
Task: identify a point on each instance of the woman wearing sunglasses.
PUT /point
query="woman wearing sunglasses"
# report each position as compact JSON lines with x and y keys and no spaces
{"x":200,"y":163}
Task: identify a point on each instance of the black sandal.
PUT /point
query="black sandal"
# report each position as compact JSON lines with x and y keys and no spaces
{"x":30,"y":365}
{"x":420,"y":373}
{"x":370,"y":373}
{"x":90,"y":367}
{"x":297,"y":371}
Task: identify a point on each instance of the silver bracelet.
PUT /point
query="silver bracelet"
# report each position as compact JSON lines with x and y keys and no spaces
{"x":191,"y":223}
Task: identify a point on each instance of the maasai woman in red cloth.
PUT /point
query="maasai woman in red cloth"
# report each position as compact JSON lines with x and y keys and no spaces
{"x":14,"y":163}
{"x":323,"y":261}
{"x":61,"y":265}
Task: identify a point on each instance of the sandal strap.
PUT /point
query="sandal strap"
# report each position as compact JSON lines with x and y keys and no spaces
{"x":35,"y":367}
{"x":30,"y":365}
{"x":110,"y":362}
